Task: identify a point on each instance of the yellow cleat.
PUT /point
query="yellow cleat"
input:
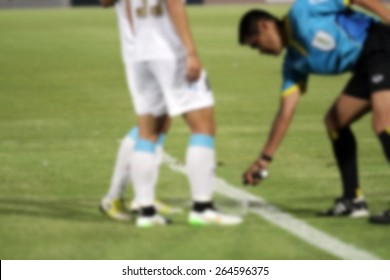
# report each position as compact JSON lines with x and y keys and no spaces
{"x":161,"y":207}
{"x":166,"y":209}
{"x":115,"y":209}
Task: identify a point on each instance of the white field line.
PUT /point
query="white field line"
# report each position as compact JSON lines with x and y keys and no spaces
{"x":283,"y":220}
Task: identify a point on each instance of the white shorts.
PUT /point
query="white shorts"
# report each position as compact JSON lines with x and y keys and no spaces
{"x":160,"y":87}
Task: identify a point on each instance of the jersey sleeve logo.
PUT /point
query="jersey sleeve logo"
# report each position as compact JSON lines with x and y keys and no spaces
{"x":377,"y":78}
{"x":323,"y":41}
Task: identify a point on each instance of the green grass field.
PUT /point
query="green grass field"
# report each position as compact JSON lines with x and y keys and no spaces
{"x":64,"y":106}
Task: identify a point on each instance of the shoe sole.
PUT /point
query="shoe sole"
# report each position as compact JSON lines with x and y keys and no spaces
{"x":379,"y":220}
{"x":201,"y":223}
{"x":152,"y":224}
{"x":359,"y":214}
{"x":197,"y":223}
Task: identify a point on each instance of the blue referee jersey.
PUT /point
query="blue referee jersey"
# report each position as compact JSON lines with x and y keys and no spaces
{"x":324,"y":37}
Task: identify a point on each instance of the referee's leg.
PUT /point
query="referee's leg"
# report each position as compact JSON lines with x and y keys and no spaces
{"x":346,"y":110}
{"x":381,"y":119}
{"x":381,"y":124}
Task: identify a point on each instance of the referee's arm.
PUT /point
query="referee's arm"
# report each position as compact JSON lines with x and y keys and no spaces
{"x":376,"y":7}
{"x":280,"y":125}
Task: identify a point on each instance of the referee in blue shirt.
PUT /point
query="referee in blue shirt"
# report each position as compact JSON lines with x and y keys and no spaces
{"x":328,"y":37}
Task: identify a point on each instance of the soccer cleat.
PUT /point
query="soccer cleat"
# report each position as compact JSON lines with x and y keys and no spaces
{"x":383,"y":218}
{"x":134,"y":207}
{"x":354,"y":208}
{"x":115,"y":209}
{"x":212,"y":217}
{"x":151,"y":221}
{"x":166,"y":209}
{"x":160,"y":206}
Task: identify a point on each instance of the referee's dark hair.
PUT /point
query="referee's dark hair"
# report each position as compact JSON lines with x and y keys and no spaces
{"x":248,"y":23}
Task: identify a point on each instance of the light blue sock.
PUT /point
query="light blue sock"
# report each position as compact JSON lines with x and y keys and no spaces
{"x":200,"y":163}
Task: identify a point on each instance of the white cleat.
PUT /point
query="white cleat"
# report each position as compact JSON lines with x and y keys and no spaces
{"x":212,"y":217}
{"x":353,"y":208}
{"x":155,"y":220}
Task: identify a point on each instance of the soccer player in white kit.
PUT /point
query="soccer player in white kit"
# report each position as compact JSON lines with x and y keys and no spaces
{"x":167,"y":77}
{"x":113,"y":204}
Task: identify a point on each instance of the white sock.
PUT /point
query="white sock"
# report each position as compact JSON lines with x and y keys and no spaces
{"x":200,"y":164}
{"x":160,"y":148}
{"x":144,"y":166}
{"x":159,"y":160}
{"x":121,"y":172}
{"x":159,"y":154}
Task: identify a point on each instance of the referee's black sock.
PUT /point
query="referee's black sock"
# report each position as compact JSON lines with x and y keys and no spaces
{"x":384,"y":137}
{"x":345,"y":151}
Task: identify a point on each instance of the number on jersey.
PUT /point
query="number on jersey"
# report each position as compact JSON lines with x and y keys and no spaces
{"x":156,"y":10}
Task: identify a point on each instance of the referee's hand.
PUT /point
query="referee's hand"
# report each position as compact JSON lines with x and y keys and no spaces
{"x":255,"y":173}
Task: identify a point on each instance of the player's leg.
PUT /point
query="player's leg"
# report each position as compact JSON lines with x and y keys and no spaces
{"x":342,"y":114}
{"x":150,"y":109}
{"x":195,"y":102}
{"x":163,"y":128}
{"x":200,"y":157}
{"x":153,"y":128}
{"x":112,"y":203}
{"x":200,"y":164}
{"x":161,"y":207}
{"x":145,"y":166}
{"x":121,"y":170}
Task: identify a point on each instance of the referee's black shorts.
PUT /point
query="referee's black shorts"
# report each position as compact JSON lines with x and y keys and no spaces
{"x":372,"y":71}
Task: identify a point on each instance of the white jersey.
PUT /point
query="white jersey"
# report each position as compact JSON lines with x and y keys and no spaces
{"x":155,"y":34}
{"x":125,"y":33}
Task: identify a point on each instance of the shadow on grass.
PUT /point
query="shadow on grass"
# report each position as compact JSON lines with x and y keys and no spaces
{"x":87,"y":209}
{"x":66,"y":208}
{"x":76,"y":209}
